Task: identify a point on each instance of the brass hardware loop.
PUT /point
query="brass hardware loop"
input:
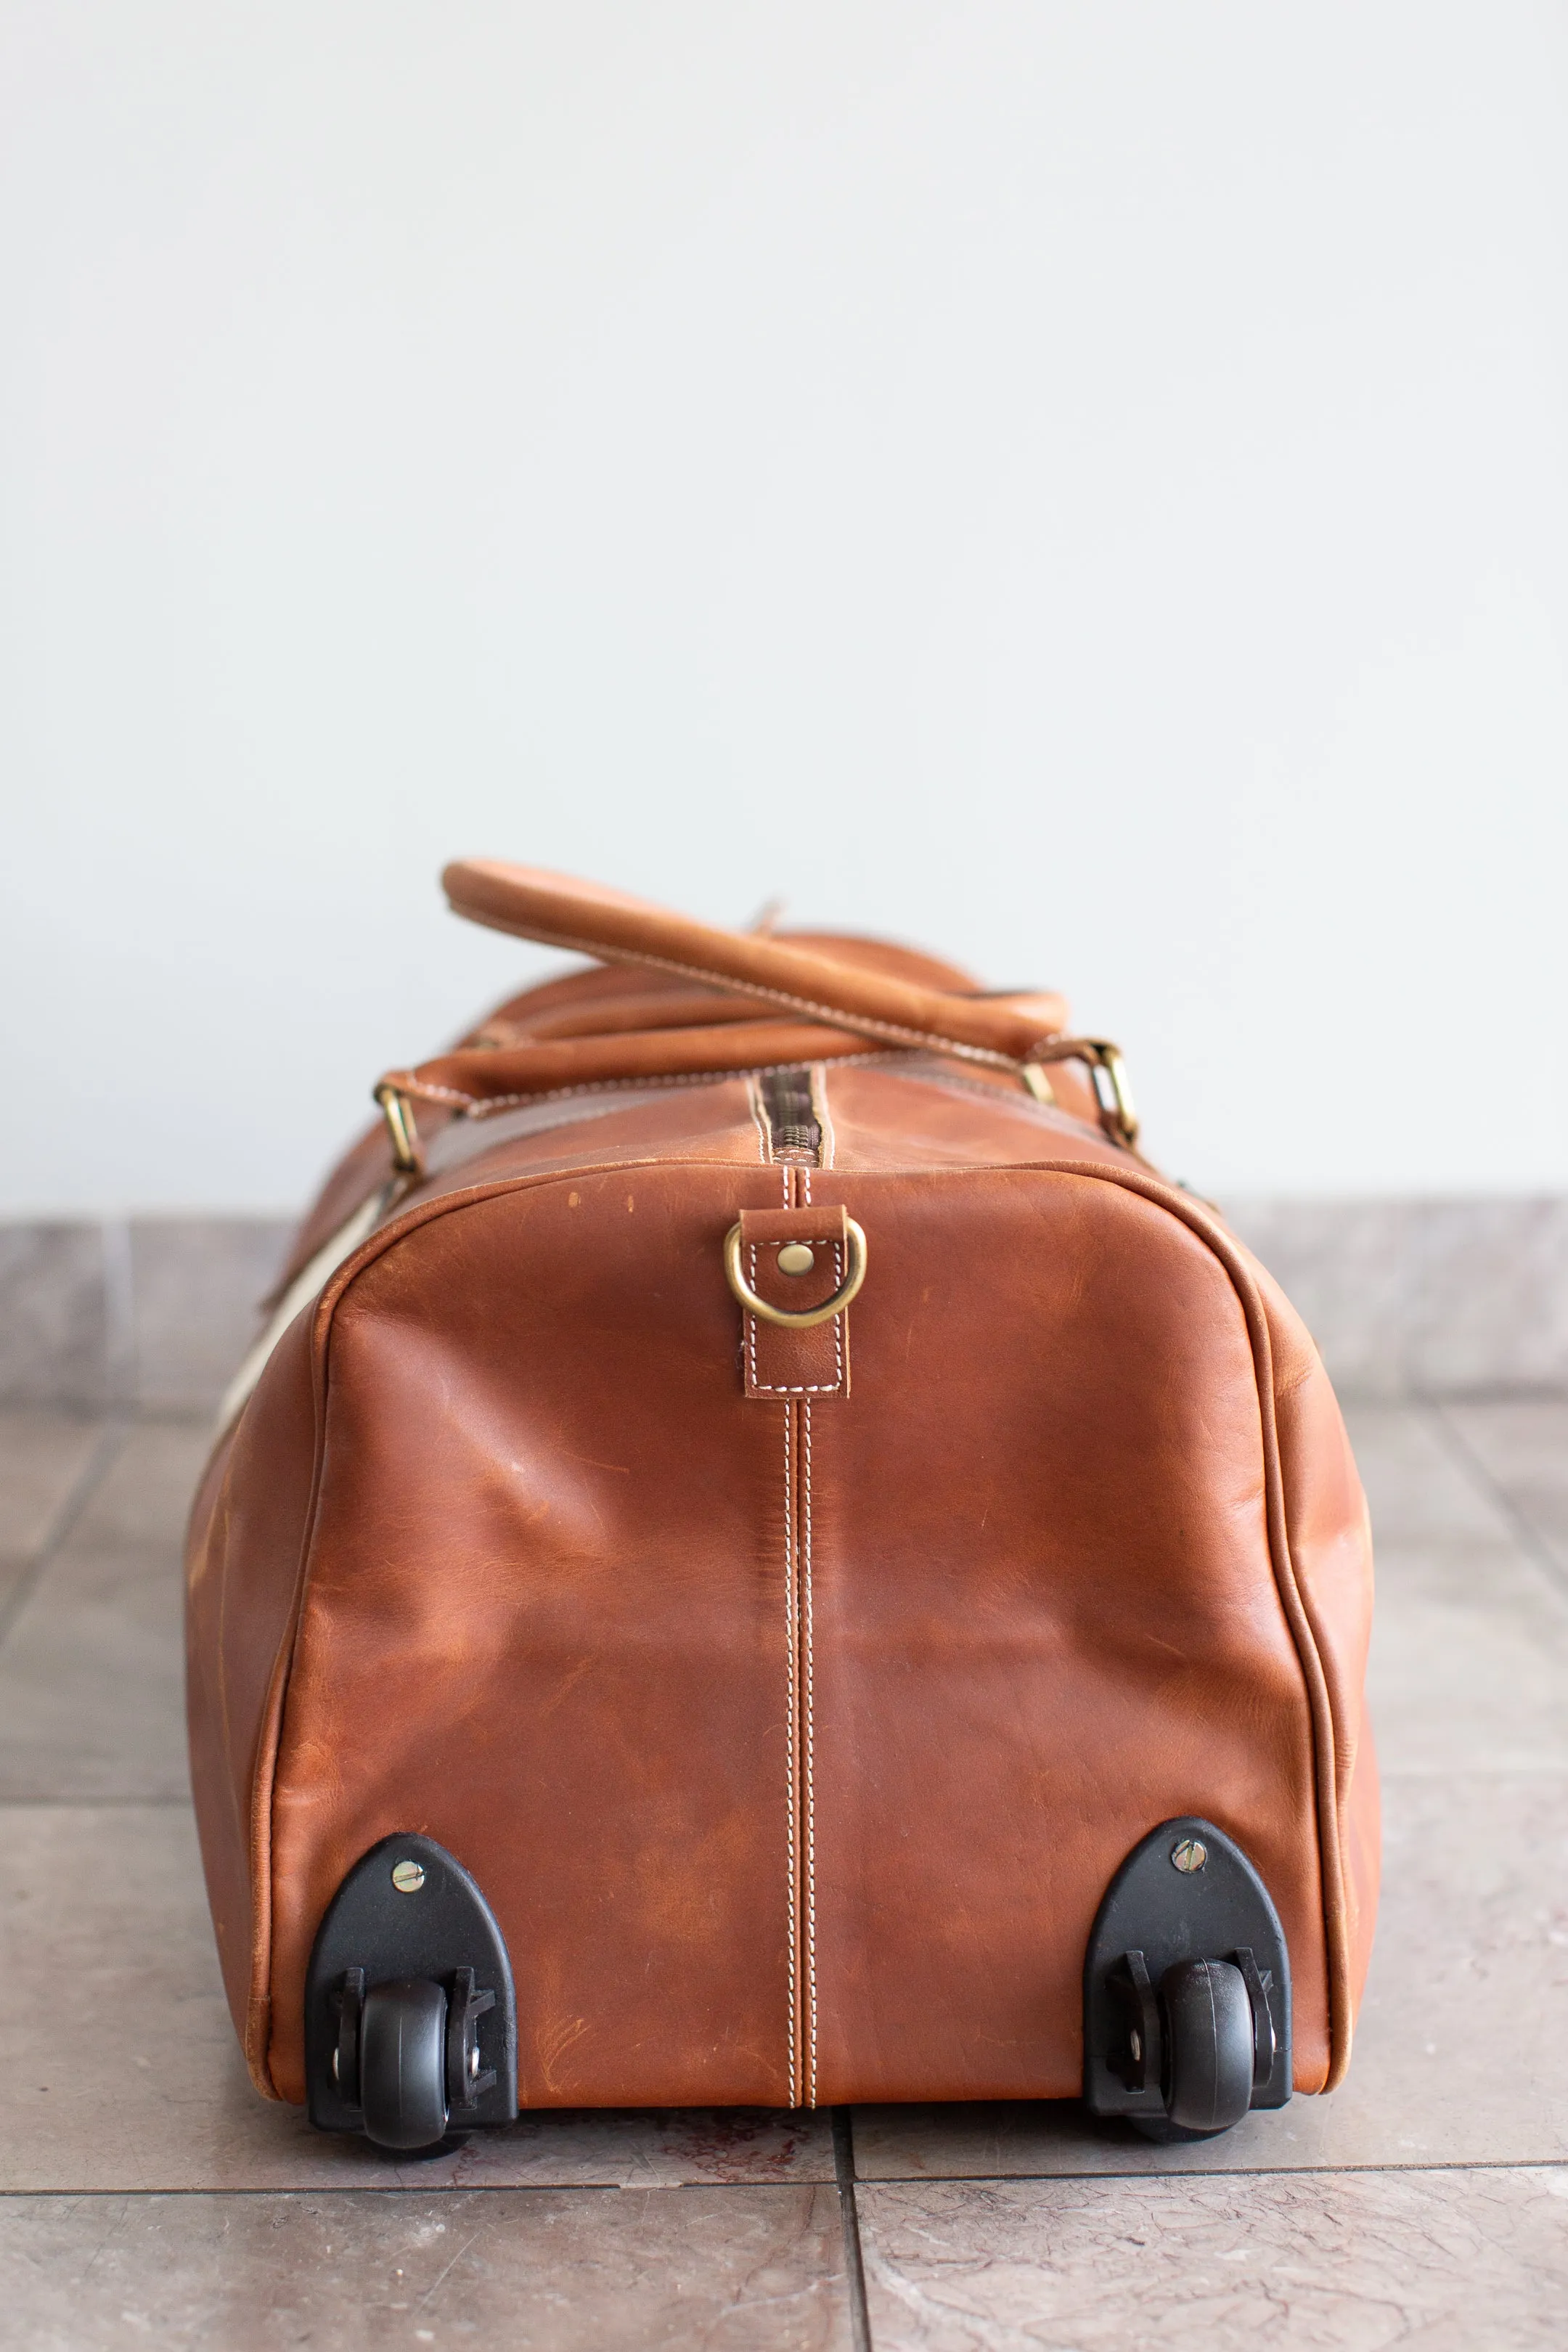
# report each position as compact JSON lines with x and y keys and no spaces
{"x":1118,"y":1110}
{"x":797,"y":1319}
{"x":1114,"y":1098}
{"x":407,"y":1153}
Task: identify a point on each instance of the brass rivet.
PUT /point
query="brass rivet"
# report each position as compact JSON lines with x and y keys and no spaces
{"x":409,"y":1877}
{"x":795,"y":1258}
{"x":1189,"y":1854}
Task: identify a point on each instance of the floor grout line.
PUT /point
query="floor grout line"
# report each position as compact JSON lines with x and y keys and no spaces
{"x":849,"y":2213}
{"x":172,"y":1800}
{"x":847,"y":2188}
{"x":1226,"y":2171}
{"x":439,"y":2188}
{"x":111,"y":1442}
{"x":1470,"y":1465}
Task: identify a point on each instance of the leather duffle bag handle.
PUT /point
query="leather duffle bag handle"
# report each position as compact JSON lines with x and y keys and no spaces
{"x":617,"y":929}
{"x":776,"y":1002}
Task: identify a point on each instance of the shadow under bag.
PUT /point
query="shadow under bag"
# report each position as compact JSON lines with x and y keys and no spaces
{"x":766,"y":1556}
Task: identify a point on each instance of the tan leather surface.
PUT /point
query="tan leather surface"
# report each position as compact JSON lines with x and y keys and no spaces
{"x":588,"y":985}
{"x":1045,"y":1621}
{"x":629,"y":1788}
{"x":793,"y":1739}
{"x":884,"y":1117}
{"x":890,"y":957}
{"x":565,"y":912}
{"x":634,"y":1007}
{"x":715,"y":1119}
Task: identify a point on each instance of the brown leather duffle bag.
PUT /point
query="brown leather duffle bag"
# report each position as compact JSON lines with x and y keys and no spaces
{"x":767,"y":1558}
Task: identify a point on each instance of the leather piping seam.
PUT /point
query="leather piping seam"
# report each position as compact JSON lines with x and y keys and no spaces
{"x":791,"y":2012}
{"x":259,"y":2012}
{"x":761,"y":1121}
{"x":1299,"y":1614}
{"x":865,"y":1024}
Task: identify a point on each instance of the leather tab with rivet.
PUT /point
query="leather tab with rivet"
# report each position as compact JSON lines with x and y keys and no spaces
{"x":779,"y":1363}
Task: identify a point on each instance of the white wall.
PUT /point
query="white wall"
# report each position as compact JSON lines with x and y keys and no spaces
{"x":1080,"y":485}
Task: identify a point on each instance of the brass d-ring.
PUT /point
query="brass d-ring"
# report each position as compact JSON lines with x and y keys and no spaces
{"x":407,"y":1151}
{"x":797,"y":1319}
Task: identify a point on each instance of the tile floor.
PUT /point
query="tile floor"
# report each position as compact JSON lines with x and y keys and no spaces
{"x":146,"y":2196}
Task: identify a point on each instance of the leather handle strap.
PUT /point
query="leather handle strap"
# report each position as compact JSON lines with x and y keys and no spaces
{"x":617,"y":929}
{"x":475,"y":1081}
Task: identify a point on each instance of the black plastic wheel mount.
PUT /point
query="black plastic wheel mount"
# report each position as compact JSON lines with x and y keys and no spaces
{"x":408,"y":1911}
{"x":1186,"y":1892}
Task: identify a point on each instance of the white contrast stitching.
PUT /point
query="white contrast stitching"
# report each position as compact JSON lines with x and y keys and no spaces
{"x":759,"y":1115}
{"x":808,"y":1388}
{"x":827,"y":1148}
{"x":485,"y":1104}
{"x":863,"y":1023}
{"x":482,"y":1105}
{"x":810,"y":1778}
{"x":790,"y":1750}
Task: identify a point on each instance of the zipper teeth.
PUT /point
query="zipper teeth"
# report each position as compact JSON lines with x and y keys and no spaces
{"x":793,"y":1129}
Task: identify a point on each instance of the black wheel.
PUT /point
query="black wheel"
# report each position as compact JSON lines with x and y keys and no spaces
{"x":1208,"y":2046}
{"x":403,"y":2063}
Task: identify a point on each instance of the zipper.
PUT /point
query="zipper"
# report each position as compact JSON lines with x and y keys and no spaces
{"x":795,"y":1131}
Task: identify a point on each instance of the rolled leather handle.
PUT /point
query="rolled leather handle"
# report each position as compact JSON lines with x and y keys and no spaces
{"x":617,"y":929}
{"x":480,"y":1081}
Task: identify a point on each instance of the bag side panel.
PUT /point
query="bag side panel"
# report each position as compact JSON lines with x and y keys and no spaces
{"x":549,"y":1622}
{"x":242,"y":1569}
{"x":545,"y":1623}
{"x":1045,"y":1618}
